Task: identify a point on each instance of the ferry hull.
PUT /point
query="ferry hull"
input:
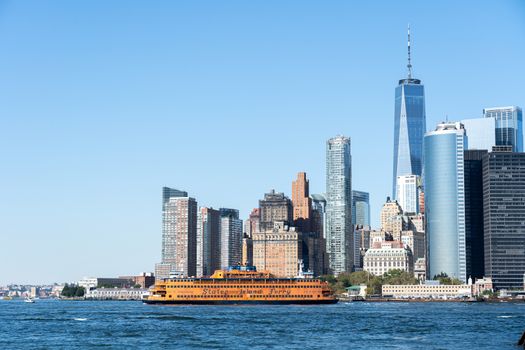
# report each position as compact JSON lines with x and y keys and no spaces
{"x":241,"y":302}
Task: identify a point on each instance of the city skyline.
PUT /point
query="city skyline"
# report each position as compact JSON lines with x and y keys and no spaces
{"x":75,"y":154}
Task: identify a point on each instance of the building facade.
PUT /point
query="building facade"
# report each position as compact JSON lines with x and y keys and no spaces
{"x":386,"y":256}
{"x":208,"y":241}
{"x":434,"y":291}
{"x":278,"y":250}
{"x":391,"y":216}
{"x":480,"y":133}
{"x":509,"y":126}
{"x":360,"y":208}
{"x":408,"y":193}
{"x":445,"y":200}
{"x":339,"y":229}
{"x":230,"y":237}
{"x":474,"y":247}
{"x":179,"y":234}
{"x":252,"y":224}
{"x":504,"y":217}
{"x":274,"y":207}
{"x":409,"y":126}
{"x":302,"y":203}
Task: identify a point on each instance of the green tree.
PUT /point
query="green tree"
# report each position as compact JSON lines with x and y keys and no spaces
{"x":80,"y":291}
{"x":443,"y":278}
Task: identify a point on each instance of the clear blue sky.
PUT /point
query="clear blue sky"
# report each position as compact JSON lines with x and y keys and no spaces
{"x":104,"y":102}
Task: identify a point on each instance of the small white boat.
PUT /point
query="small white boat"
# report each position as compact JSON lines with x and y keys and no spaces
{"x":29,"y":300}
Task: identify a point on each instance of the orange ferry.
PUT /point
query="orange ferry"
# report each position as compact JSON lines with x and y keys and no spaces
{"x":240,"y":285}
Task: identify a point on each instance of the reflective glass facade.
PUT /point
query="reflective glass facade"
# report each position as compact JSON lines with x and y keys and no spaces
{"x":361,"y":208}
{"x":509,"y":126}
{"x":339,"y":230}
{"x":445,"y":200}
{"x":474,"y":212}
{"x":409,"y":129}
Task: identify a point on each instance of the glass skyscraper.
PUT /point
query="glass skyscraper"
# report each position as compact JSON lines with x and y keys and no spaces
{"x":509,"y":126}
{"x":409,"y":126}
{"x":445,"y":200}
{"x":339,"y":230}
{"x":360,"y":208}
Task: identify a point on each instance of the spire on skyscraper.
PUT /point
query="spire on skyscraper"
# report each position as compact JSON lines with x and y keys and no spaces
{"x":409,"y":65}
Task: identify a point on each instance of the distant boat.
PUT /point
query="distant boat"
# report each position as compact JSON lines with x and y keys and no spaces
{"x":7,"y":297}
{"x":29,"y":300}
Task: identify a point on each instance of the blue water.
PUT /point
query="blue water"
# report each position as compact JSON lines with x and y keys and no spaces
{"x":122,"y":325}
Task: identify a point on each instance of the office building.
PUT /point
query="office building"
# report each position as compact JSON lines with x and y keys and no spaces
{"x":474,"y":248}
{"x":274,"y":207}
{"x":318,"y":221}
{"x":247,"y":250}
{"x":339,"y":230}
{"x":208,"y":241}
{"x":391,"y":216}
{"x":252,"y":224}
{"x":509,"y":126}
{"x":480,"y":133}
{"x":385,"y":256}
{"x":179,"y":234}
{"x":408,"y":193}
{"x":302,"y":203}
{"x":445,"y":200}
{"x":415,"y":241}
{"x":231,"y":237}
{"x":360,"y":208}
{"x":278,"y":250}
{"x":504,"y":217}
{"x":409,"y":126}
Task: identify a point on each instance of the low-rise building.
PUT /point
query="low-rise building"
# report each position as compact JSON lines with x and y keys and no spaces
{"x":98,"y":282}
{"x":481,"y":285}
{"x":115,"y":294}
{"x":144,"y":280}
{"x":426,"y":291}
{"x":386,"y":256}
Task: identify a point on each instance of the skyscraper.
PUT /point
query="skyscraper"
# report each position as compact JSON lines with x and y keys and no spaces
{"x":480,"y":132}
{"x":391,"y":217}
{"x":208,"y":241}
{"x":274,"y":207}
{"x":504,"y":217}
{"x":361,"y":208}
{"x":445,"y":200}
{"x":409,"y":126}
{"x":474,"y":212}
{"x":166,"y":266}
{"x":231,"y":237}
{"x":319,"y":214}
{"x":301,"y":202}
{"x":339,"y":230}
{"x":509,"y":126}
{"x":278,"y":250}
{"x":179,"y":233}
{"x":408,"y":193}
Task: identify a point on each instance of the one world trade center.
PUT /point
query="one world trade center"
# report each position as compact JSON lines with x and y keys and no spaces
{"x":409,"y":126}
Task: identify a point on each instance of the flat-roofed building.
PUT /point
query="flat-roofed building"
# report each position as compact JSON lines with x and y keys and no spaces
{"x":435,"y":291}
{"x":386,"y":256}
{"x":278,"y":250}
